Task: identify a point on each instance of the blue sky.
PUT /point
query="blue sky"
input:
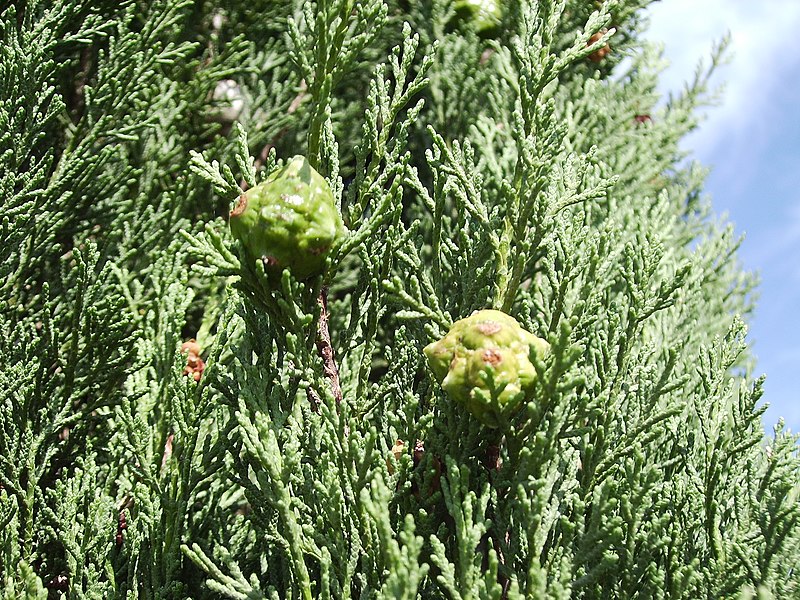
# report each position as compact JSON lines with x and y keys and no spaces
{"x":752,"y":143}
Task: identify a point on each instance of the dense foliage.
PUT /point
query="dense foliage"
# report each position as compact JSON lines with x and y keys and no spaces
{"x":516,"y":158}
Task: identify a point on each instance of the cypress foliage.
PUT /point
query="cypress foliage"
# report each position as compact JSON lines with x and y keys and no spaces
{"x":301,"y":447}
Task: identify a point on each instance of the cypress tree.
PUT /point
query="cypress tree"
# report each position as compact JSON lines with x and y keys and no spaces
{"x":499,"y":350}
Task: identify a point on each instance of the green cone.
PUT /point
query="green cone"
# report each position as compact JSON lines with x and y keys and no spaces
{"x":484,"y":363}
{"x":289,"y":221}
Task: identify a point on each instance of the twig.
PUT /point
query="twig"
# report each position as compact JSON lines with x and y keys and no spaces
{"x":325,"y":348}
{"x":493,"y":462}
{"x":313,"y":398}
{"x":79,"y":93}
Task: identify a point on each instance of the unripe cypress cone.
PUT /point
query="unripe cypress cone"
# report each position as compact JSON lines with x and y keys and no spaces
{"x":289,"y":221}
{"x":484,"y":363}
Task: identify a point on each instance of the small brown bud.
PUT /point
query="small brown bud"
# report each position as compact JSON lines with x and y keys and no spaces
{"x":122,"y":525}
{"x":191,"y":346}
{"x":194,"y":364}
{"x":599,"y":54}
{"x":397,"y":451}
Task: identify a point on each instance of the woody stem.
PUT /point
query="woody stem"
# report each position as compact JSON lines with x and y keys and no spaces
{"x":325,"y":348}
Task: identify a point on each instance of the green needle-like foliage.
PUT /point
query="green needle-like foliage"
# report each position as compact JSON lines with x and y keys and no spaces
{"x":179,"y":418}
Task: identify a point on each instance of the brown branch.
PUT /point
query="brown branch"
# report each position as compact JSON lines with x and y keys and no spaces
{"x":493,"y":461}
{"x":78,"y":99}
{"x":325,"y":348}
{"x":313,"y":398}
